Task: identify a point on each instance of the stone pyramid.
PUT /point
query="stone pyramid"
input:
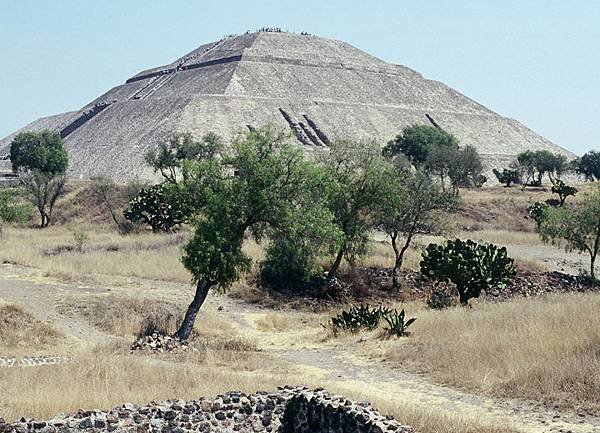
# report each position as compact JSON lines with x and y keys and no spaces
{"x":318,"y":89}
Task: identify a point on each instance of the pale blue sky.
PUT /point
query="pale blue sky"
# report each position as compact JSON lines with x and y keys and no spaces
{"x":537,"y":61}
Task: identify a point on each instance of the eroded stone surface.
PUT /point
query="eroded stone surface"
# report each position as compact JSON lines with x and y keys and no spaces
{"x":327,"y":88}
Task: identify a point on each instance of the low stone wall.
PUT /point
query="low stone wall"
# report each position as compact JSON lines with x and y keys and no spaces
{"x":286,"y":410}
{"x":318,"y":411}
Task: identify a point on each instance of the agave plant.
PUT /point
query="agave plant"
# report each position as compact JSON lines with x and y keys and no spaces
{"x":397,"y":324}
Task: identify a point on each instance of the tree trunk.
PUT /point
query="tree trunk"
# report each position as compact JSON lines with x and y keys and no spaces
{"x":592,"y":266}
{"x":185,"y":329}
{"x":338,"y":260}
{"x":396,"y":273}
{"x":463,"y":297}
{"x":397,"y":262}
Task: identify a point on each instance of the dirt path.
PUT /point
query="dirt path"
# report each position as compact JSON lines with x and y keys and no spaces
{"x":335,"y":364}
{"x":340,"y":366}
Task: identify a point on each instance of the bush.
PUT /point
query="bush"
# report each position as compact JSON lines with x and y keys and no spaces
{"x":12,"y":207}
{"x":440,"y":299}
{"x":80,"y":239}
{"x":537,"y":212}
{"x":563,"y":190}
{"x":397,"y":324}
{"x":159,"y":206}
{"x":289,"y":266}
{"x":470,"y":266}
{"x":507,"y":176}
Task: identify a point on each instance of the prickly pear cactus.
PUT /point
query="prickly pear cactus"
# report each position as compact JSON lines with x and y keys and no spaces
{"x":472,"y":267}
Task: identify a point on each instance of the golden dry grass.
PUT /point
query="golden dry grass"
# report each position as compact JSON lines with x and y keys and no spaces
{"x":151,"y":256}
{"x":21,"y":330}
{"x":108,"y":376}
{"x":546,"y":349}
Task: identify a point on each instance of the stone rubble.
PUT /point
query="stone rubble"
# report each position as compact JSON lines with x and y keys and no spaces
{"x":160,"y":343}
{"x":31,"y":361}
{"x":288,"y":409}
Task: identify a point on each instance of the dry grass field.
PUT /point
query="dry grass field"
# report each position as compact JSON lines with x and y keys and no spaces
{"x":544,"y":349}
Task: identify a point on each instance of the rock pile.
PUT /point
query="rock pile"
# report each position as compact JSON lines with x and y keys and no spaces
{"x":286,"y":410}
{"x":160,"y":343}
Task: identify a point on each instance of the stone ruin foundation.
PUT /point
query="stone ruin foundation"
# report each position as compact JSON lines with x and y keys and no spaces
{"x":286,"y":410}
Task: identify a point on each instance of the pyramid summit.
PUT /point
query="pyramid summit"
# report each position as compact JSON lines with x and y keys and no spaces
{"x":318,"y":89}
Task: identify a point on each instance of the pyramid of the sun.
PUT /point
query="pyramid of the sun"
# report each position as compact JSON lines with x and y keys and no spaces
{"x":318,"y":89}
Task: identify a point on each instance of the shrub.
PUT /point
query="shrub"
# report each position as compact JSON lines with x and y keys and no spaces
{"x":289,"y":265}
{"x":537,"y":212}
{"x":397,"y":324}
{"x":507,"y":176}
{"x":80,"y":239}
{"x":159,"y":206}
{"x":12,"y":207}
{"x":440,"y":299}
{"x":470,"y":266}
{"x":563,"y":190}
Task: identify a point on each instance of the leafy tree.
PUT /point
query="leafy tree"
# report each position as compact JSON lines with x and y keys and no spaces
{"x":168,"y":158}
{"x":410,"y":203}
{"x":563,"y":190}
{"x":42,"y":190}
{"x":578,"y":227}
{"x":43,"y":160}
{"x":43,"y":152}
{"x":507,"y":176}
{"x":537,"y":212}
{"x":356,"y":173}
{"x":535,"y":164}
{"x":274,"y":191}
{"x":163,"y":207}
{"x":418,"y":141}
{"x":470,"y":266}
{"x":466,"y":168}
{"x":589,"y":165}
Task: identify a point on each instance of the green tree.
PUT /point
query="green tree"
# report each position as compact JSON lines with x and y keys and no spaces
{"x":537,"y":212}
{"x":43,"y":160}
{"x":466,"y":169}
{"x":507,"y":176}
{"x":410,"y":203}
{"x":263,"y":187}
{"x":168,"y":158}
{"x":535,"y":164}
{"x":563,"y":190}
{"x":589,"y":165}
{"x":356,"y":173}
{"x":470,"y":266}
{"x":578,"y":227}
{"x":43,"y":152}
{"x":418,"y":141}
